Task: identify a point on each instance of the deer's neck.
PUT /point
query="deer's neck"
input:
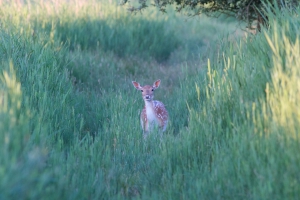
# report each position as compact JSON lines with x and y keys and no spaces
{"x":150,"y":111}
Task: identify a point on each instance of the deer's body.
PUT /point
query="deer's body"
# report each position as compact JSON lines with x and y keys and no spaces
{"x":154,"y":112}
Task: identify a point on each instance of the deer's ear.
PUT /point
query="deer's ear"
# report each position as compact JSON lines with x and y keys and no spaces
{"x":156,"y":84}
{"x":136,"y":85}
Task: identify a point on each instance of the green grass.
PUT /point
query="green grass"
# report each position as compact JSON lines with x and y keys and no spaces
{"x":69,"y":125}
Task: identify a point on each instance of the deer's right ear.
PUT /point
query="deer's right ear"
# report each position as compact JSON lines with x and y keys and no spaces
{"x":136,"y":85}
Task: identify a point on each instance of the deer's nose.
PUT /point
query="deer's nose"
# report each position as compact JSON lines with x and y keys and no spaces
{"x":147,"y":97}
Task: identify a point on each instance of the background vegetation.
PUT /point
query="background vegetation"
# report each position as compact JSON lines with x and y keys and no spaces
{"x":69,"y":125}
{"x":252,"y":12}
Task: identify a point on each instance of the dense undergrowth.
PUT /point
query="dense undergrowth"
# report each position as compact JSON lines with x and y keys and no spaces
{"x":69,"y":125}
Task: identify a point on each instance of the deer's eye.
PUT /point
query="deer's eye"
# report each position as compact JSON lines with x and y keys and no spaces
{"x":142,"y":91}
{"x":152,"y":89}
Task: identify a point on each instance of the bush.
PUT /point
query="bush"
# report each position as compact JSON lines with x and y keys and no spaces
{"x":244,"y":10}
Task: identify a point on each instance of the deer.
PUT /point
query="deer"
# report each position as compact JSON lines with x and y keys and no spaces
{"x":154,"y":112}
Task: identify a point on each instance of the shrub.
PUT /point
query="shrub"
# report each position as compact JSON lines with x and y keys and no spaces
{"x":245,"y":10}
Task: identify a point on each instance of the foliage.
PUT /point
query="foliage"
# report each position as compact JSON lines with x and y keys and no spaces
{"x":117,"y":33}
{"x":69,"y":125}
{"x":245,"y":10}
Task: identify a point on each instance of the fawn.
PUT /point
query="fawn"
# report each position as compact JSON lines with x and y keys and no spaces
{"x":154,"y":112}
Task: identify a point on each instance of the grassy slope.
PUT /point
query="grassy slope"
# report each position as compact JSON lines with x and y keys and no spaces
{"x":69,"y":124}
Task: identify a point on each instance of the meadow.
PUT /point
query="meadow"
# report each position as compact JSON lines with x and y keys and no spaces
{"x":69,"y":115}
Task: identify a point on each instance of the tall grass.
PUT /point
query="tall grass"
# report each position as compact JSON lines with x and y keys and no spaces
{"x":69,"y":125}
{"x":91,"y":25}
{"x":249,"y":117}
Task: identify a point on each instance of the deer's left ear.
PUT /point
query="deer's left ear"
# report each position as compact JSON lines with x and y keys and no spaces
{"x":156,"y":84}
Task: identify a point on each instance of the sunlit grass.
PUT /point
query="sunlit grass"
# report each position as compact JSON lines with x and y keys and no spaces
{"x":69,"y":125}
